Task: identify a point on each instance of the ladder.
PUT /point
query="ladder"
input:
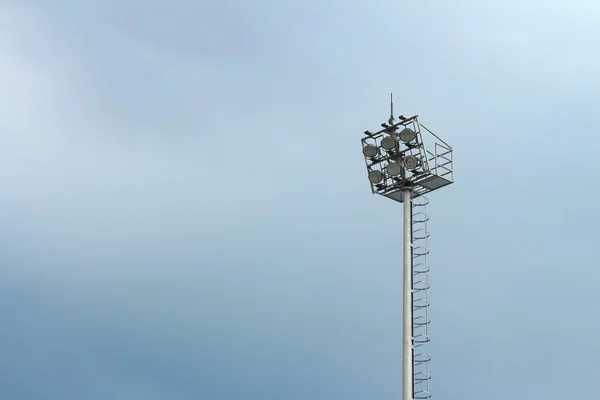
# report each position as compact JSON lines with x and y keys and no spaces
{"x":420,"y":290}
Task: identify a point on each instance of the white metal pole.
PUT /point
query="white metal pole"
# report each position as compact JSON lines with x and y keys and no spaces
{"x":407,"y":302}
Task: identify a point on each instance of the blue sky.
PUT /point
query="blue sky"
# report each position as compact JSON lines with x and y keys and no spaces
{"x":186,"y":215}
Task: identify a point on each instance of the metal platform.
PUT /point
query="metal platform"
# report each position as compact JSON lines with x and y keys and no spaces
{"x":435,"y":169}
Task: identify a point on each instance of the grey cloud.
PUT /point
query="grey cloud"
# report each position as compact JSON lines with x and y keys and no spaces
{"x":186,"y":215}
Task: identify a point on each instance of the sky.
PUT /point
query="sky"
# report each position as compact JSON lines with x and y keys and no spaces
{"x":185,"y":212}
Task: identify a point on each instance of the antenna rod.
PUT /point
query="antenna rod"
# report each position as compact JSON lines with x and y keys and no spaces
{"x":391,"y":106}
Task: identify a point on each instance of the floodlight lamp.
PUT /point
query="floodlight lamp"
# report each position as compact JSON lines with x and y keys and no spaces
{"x":388,"y":143}
{"x":375,"y":176}
{"x":394,"y":169}
{"x":370,"y":151}
{"x":410,"y":162}
{"x":407,"y":135}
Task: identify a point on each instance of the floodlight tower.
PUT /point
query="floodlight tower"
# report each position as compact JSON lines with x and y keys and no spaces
{"x":405,"y":161}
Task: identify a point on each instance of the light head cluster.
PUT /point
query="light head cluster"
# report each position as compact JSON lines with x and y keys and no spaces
{"x":396,"y":158}
{"x":393,"y":155}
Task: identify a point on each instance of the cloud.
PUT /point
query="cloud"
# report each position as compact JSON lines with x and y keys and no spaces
{"x":185,"y":212}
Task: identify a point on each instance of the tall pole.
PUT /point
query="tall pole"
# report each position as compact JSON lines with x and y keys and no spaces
{"x":398,"y":167}
{"x":407,"y":301}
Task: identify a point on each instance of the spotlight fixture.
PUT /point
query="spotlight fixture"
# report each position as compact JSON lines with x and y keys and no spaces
{"x":394,"y":169}
{"x":370,"y":151}
{"x":407,"y":135}
{"x":388,"y":143}
{"x":410,"y":162}
{"x":375,"y":176}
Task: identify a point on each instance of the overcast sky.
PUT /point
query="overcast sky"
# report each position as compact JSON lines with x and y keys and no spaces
{"x":185,"y":214}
